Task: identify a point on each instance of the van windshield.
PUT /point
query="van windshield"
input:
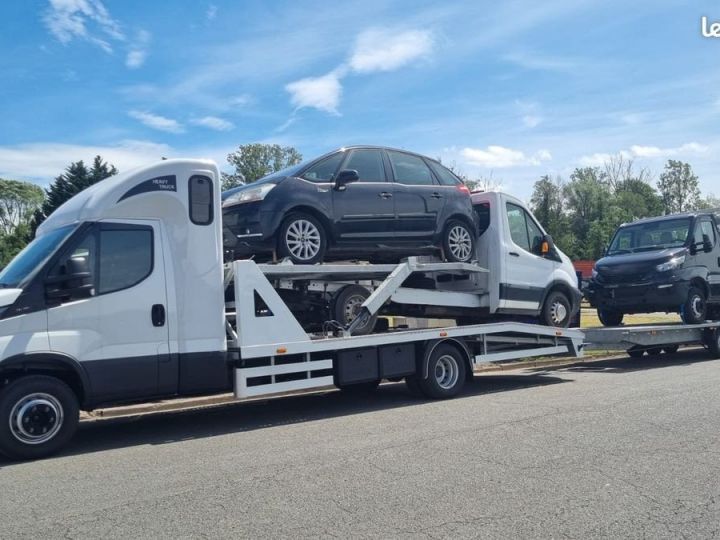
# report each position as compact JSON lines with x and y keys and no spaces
{"x":33,"y":256}
{"x":654,"y":235}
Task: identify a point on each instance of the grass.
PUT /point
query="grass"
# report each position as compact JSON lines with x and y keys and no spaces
{"x":589,"y":318}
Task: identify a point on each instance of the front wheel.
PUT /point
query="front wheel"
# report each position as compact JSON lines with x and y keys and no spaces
{"x":610,"y":318}
{"x":303,"y":239}
{"x":38,"y":415}
{"x":446,"y":373}
{"x":557,"y":310}
{"x":694,"y":309}
{"x":458,"y":242}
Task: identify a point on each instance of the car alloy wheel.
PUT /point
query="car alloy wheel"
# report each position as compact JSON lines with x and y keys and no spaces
{"x":459,"y":243}
{"x":302,"y":239}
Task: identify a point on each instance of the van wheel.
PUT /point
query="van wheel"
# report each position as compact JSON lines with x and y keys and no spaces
{"x":458,"y":242}
{"x":556,"y":310}
{"x":610,"y":318}
{"x":446,"y":373}
{"x":303,"y":239}
{"x":694,"y":309}
{"x":38,"y":415}
{"x":346,"y":307}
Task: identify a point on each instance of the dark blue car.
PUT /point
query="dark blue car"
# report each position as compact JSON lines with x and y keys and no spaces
{"x":356,"y":202}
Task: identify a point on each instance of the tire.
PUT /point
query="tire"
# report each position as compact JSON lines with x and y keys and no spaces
{"x":446,"y":373}
{"x":694,"y":310}
{"x":458,"y":242}
{"x":610,"y":318}
{"x":360,"y":388}
{"x":38,"y":416}
{"x":346,"y":306}
{"x":303,"y":239}
{"x":557,"y":310}
{"x":636,"y":353}
{"x":671,"y":349}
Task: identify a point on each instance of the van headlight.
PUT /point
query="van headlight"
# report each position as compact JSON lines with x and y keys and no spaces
{"x":249,"y":195}
{"x":672,"y":264}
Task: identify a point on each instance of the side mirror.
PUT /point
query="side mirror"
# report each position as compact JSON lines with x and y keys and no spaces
{"x":547,"y":246}
{"x":707,"y":243}
{"x":73,"y":281}
{"x":345,"y":177}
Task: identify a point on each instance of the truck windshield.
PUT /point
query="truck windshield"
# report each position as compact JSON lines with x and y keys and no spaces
{"x":650,"y":236}
{"x":33,"y":256}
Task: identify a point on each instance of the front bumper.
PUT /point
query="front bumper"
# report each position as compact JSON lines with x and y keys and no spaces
{"x":661,"y":295}
{"x":248,"y":229}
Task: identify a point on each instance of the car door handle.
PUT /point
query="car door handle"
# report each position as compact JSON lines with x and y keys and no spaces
{"x":157,"y":314}
{"x":436,"y":195}
{"x":514,"y":253}
{"x":385,"y":195}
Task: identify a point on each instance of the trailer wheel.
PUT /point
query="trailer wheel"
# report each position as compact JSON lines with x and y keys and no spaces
{"x":346,"y":306}
{"x":712,"y":341}
{"x":557,"y":310}
{"x":446,"y":373}
{"x":610,"y":318}
{"x":303,"y":239}
{"x":694,"y":310}
{"x":636,"y":352}
{"x":38,"y":415}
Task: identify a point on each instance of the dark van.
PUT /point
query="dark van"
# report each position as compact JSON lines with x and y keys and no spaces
{"x":669,"y":263}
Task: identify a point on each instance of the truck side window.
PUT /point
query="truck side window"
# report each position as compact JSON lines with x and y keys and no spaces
{"x":706,"y":229}
{"x":201,"y":200}
{"x":126,"y":257}
{"x":482,"y":212}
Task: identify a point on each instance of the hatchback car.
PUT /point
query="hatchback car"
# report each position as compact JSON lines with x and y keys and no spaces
{"x":357,"y":202}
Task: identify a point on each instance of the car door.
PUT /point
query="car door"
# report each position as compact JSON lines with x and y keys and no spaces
{"x":419,"y":198}
{"x":364,"y":209}
{"x":525,"y":273}
{"x":117,"y":328}
{"x":705,"y":229}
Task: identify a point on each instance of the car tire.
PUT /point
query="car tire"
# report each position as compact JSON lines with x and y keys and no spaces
{"x":609,"y":317}
{"x":458,"y":242}
{"x":446,"y":373}
{"x":694,"y":310}
{"x":303,"y":239}
{"x":556,"y":311}
{"x":38,"y":416}
{"x":346,"y":306}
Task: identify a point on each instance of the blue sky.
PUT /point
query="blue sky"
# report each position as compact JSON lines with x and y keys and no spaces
{"x":509,"y":90}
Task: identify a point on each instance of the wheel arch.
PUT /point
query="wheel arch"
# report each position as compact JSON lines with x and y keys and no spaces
{"x":467,"y":220}
{"x":699,"y":281}
{"x":314,"y":212}
{"x":565,"y":288}
{"x":459,"y":344}
{"x":58,"y":365}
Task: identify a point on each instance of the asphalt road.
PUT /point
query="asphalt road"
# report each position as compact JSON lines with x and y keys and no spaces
{"x":617,"y":448}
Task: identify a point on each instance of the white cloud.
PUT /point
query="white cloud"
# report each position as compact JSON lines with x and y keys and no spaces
{"x":138,"y":52}
{"x":158,"y":122}
{"x":540,"y":62}
{"x":135,"y":59}
{"x":595,"y":160}
{"x":382,"y":49}
{"x":83,"y":19}
{"x":213,"y":122}
{"x":322,"y":93}
{"x":639,"y":151}
{"x":531,"y":120}
{"x":500,"y":157}
{"x":211,"y":12}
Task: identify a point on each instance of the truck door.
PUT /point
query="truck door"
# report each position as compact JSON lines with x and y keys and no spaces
{"x":705,"y":231}
{"x":108,"y":308}
{"x":525,"y":272}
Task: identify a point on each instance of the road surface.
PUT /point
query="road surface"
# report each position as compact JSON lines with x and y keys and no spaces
{"x":621,"y":448}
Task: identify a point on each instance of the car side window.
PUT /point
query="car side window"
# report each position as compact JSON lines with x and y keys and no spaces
{"x":325,"y":170}
{"x":368,"y":164}
{"x":446,"y":177}
{"x":410,"y":170}
{"x":518,"y":228}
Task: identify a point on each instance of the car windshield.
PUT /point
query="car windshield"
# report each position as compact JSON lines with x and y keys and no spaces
{"x":653,"y":235}
{"x":33,"y":256}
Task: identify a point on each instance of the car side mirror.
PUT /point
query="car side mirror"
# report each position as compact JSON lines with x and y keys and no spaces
{"x":707,"y":243}
{"x":345,"y":177}
{"x":74,"y":280}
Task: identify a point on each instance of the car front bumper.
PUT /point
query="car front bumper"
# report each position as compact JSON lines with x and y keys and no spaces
{"x":249,"y":229}
{"x":660,"y":295}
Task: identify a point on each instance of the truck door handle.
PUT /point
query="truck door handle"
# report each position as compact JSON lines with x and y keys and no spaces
{"x":385,"y":195}
{"x":436,"y":195}
{"x":157,"y":314}
{"x":514,"y":254}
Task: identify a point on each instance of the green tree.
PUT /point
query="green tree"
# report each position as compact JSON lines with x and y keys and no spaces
{"x":637,"y":199}
{"x":547,"y":203}
{"x":679,"y":187}
{"x":253,"y":161}
{"x":77,"y":176}
{"x":18,"y":202}
{"x":588,"y":197}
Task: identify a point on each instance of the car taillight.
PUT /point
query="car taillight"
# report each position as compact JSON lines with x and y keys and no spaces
{"x":463,"y":188}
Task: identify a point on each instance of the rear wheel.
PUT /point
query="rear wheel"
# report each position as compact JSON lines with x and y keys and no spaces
{"x":446,"y":373}
{"x":38,"y":415}
{"x":458,"y":242}
{"x":694,"y":309}
{"x":303,"y":239}
{"x":556,"y":310}
{"x":347,"y":306}
{"x":609,"y":317}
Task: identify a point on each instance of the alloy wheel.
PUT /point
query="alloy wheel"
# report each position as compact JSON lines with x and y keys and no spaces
{"x":303,"y":239}
{"x":460,"y":242}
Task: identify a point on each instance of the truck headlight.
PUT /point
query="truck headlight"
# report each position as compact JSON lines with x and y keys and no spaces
{"x":672,"y":264}
{"x":248,"y":195}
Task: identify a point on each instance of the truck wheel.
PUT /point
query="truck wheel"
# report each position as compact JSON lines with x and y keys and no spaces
{"x":38,"y":415}
{"x":458,"y":242}
{"x":446,"y":373}
{"x":694,"y":309}
{"x":556,"y":311}
{"x":346,"y":307}
{"x":303,"y":239}
{"x":610,"y":318}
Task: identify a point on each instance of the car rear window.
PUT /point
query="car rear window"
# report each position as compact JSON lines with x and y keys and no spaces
{"x":410,"y":170}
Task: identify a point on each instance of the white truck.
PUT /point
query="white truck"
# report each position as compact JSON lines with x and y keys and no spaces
{"x":121,"y":298}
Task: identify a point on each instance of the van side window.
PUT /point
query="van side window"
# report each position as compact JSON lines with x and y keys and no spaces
{"x":523,"y":229}
{"x":126,"y":258}
{"x":482,"y":213}
{"x":706,"y":229}
{"x":201,"y":200}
